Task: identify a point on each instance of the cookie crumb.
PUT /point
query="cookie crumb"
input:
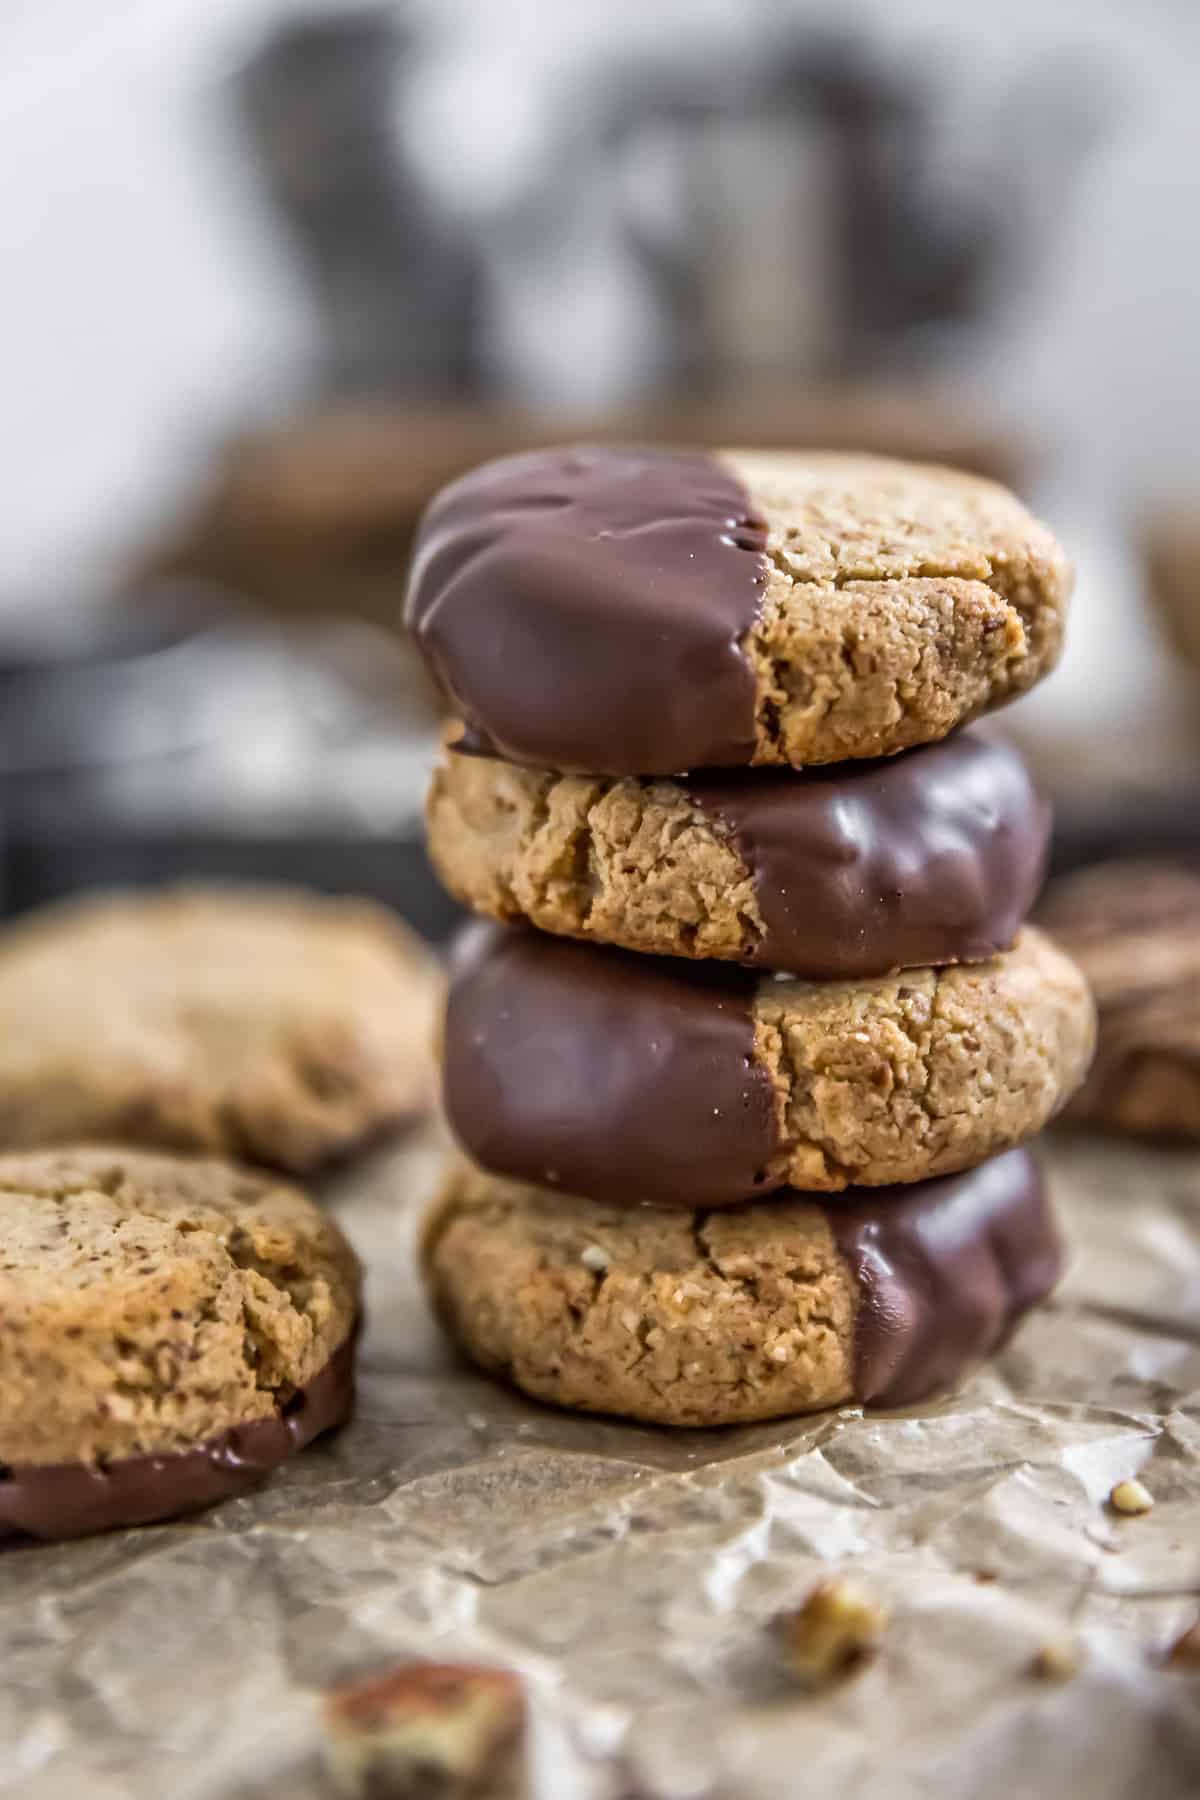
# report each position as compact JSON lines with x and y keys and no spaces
{"x":1184,"y":1653}
{"x":1057,"y":1659}
{"x":1131,"y":1498}
{"x":835,"y":1631}
{"x":454,"y":1729}
{"x":596,"y":1259}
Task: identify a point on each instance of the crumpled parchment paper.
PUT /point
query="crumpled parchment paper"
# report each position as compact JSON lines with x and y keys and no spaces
{"x":630,"y":1573}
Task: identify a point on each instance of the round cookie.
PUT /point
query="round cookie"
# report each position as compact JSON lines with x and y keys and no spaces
{"x":1134,"y":928}
{"x":170,"y":1331}
{"x":929,"y":858}
{"x":273,"y":1025}
{"x":647,"y":612}
{"x":632,"y":1078}
{"x":697,"y":1318}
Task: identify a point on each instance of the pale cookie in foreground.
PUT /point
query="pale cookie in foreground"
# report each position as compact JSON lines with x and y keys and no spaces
{"x":170,"y":1331}
{"x":1134,"y":928}
{"x":929,"y":858}
{"x":274,"y":1025}
{"x":698,"y":1318}
{"x":647,"y":612}
{"x":630,"y":1078}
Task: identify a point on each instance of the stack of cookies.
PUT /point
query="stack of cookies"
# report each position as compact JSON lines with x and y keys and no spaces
{"x":746,"y":1109}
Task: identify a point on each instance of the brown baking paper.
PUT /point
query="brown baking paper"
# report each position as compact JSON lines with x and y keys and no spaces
{"x":630,"y":1573}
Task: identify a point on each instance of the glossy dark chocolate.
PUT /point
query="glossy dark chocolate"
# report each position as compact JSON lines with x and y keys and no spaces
{"x":585,"y":608}
{"x":66,"y":1500}
{"x":923,"y":859}
{"x":945,"y":1269}
{"x":603,"y":1073}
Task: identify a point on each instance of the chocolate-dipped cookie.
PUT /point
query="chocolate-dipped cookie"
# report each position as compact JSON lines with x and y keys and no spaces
{"x":170,"y":1331}
{"x":629,"y":1078}
{"x":716,"y":1318}
{"x":647,"y":612}
{"x":929,"y":858}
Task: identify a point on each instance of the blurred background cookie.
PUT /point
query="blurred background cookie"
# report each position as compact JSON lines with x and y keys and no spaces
{"x":1171,"y":541}
{"x":268,"y":1024}
{"x":1134,"y":929}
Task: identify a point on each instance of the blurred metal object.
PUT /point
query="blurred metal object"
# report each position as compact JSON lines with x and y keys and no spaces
{"x":901,"y":238}
{"x":910,"y":257}
{"x":397,"y":288}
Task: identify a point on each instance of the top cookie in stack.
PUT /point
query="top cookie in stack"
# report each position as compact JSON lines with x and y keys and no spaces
{"x":633,"y":638}
{"x":648,"y":613}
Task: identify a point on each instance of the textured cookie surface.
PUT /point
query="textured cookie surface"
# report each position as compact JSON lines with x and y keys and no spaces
{"x":626,"y":1077}
{"x":929,"y":858}
{"x":1134,"y":928}
{"x":150,"y":1303}
{"x":650,"y":612}
{"x":696,"y":1318}
{"x":271,"y":1025}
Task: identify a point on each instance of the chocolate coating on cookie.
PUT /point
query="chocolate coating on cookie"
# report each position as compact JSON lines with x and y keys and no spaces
{"x":944,"y":1271}
{"x":585,"y":608}
{"x":651,"y":1069}
{"x":934,"y":857}
{"x":66,"y":1500}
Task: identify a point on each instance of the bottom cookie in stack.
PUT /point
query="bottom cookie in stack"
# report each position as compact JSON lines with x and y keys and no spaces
{"x":720,"y":1317}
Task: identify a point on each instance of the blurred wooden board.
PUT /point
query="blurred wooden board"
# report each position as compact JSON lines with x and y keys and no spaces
{"x":316,"y":513}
